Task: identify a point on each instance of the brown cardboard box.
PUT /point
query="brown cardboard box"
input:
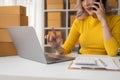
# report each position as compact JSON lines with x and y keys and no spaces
{"x":113,"y":3}
{"x":7,"y":49}
{"x":54,"y":19}
{"x":12,"y":10}
{"x":54,"y":23}
{"x":72,"y":18}
{"x":72,"y":4}
{"x":55,"y":6}
{"x":54,"y":1}
{"x":4,"y":36}
{"x":72,"y":1}
{"x":54,"y":15}
{"x":13,"y":20}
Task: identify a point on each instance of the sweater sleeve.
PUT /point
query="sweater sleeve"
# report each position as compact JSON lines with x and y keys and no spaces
{"x":72,"y":38}
{"x":113,"y":43}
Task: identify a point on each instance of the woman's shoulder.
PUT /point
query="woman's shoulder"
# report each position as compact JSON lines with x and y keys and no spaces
{"x":77,"y":21}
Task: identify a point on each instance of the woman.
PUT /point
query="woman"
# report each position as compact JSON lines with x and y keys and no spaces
{"x":97,"y":31}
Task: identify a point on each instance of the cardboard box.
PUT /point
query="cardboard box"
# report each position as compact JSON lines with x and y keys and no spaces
{"x":7,"y":49}
{"x":72,"y":1}
{"x":54,"y":19}
{"x":113,"y":3}
{"x":54,"y":1}
{"x":55,"y":6}
{"x":54,"y":23}
{"x":12,"y":10}
{"x":4,"y":36}
{"x":72,"y":4}
{"x":54,"y":15}
{"x":13,"y":20}
{"x":72,"y":18}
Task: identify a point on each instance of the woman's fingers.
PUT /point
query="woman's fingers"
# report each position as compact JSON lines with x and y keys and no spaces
{"x":95,"y":7}
{"x":99,"y":5}
{"x":54,"y":32}
{"x":49,"y":38}
{"x":56,"y":43}
{"x":54,"y":39}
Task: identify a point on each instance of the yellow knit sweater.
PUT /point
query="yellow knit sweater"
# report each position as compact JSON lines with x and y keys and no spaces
{"x":89,"y":33}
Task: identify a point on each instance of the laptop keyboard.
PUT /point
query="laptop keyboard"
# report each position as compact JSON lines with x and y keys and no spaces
{"x":60,"y":56}
{"x":49,"y":58}
{"x":55,"y":57}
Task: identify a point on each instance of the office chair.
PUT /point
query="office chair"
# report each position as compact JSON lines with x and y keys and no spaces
{"x":79,"y":49}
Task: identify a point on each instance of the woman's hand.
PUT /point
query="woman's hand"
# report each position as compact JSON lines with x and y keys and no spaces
{"x":99,"y":11}
{"x":54,"y":39}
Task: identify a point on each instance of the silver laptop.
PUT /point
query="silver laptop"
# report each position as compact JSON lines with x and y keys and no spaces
{"x":28,"y":46}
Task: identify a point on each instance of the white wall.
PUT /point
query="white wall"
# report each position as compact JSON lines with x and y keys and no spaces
{"x":40,"y":21}
{"x":36,"y":16}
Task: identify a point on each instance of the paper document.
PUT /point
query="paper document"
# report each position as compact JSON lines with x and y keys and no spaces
{"x":94,"y":63}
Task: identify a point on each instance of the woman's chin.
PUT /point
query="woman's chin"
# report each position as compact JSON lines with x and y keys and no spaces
{"x":92,"y":14}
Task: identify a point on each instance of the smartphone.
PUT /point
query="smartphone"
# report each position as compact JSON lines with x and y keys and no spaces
{"x":96,"y":5}
{"x":97,"y":0}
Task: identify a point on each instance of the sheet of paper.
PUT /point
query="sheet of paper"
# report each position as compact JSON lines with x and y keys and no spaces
{"x":110,"y":63}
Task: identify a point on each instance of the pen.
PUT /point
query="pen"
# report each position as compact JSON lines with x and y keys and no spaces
{"x":102,"y":62}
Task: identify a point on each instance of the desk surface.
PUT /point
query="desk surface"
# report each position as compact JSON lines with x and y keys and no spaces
{"x":17,"y":68}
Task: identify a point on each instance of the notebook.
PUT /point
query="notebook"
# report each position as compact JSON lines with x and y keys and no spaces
{"x":28,"y":46}
{"x":94,"y":63}
{"x":85,"y":61}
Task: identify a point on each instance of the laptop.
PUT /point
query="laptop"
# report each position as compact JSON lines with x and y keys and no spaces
{"x":28,"y":46}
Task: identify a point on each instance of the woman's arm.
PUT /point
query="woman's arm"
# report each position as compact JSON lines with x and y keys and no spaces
{"x":71,"y":39}
{"x":106,"y":30}
{"x":110,"y":43}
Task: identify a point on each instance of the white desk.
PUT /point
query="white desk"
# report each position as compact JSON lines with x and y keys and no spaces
{"x":16,"y":68}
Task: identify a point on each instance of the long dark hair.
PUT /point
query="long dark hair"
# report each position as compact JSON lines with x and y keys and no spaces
{"x":104,"y":2}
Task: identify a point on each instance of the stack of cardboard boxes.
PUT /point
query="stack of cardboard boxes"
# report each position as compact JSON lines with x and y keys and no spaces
{"x":54,"y":19}
{"x":10,"y":16}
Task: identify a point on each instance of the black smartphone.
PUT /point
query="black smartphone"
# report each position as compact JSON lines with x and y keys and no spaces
{"x":96,"y":4}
